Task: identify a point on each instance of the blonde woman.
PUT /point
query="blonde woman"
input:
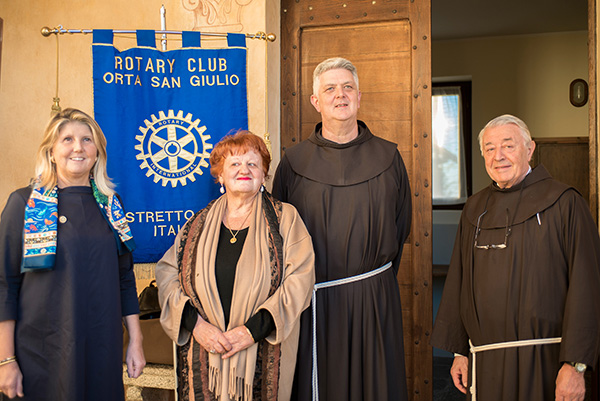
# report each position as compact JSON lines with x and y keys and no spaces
{"x":66,"y":274}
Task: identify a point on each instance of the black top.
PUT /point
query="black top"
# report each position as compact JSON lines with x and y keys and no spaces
{"x":228,"y":255}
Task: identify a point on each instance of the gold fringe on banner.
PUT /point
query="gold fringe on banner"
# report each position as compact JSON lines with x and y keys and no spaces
{"x":56,"y":105}
{"x":267,"y":136}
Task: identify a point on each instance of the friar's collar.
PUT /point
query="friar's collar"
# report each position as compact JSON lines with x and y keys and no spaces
{"x":535,"y":193}
{"x":342,"y":164}
{"x":516,"y":186}
{"x":364,"y":134}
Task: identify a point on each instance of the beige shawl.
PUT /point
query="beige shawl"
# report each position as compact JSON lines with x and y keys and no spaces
{"x":253,"y":290}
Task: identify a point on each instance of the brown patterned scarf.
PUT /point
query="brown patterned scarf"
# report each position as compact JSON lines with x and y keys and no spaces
{"x":196,"y":375}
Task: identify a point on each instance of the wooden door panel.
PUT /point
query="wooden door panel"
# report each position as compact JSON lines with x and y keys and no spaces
{"x":386,"y":106}
{"x":383,"y":67}
{"x":388,"y":42}
{"x":393,"y":36}
{"x":566,"y":159}
{"x":404,"y":142}
{"x":323,"y":12}
{"x":374,"y":70}
{"x":379,"y":69}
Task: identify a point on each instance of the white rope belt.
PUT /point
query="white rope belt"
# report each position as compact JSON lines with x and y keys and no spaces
{"x":508,"y":344}
{"x":327,"y":284}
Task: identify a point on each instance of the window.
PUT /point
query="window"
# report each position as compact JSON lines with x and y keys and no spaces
{"x":451,"y":144}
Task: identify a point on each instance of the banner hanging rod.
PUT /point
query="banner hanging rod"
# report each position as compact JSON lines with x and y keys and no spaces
{"x":59,"y":30}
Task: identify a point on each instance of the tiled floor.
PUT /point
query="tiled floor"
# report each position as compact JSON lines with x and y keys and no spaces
{"x":443,"y":388}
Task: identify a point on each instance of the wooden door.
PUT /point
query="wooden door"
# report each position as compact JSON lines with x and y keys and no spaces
{"x":566,"y":159}
{"x":593,"y":113}
{"x":389,"y":43}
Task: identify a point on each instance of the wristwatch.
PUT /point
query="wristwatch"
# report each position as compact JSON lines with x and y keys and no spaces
{"x":579,"y":367}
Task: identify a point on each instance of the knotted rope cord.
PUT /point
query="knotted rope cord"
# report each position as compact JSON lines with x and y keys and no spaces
{"x":327,"y":284}
{"x":502,"y":345}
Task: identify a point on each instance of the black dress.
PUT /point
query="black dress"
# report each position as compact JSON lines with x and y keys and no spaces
{"x":355,"y":201}
{"x":68,"y":337}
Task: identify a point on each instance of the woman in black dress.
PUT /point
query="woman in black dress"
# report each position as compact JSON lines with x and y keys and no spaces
{"x":66,"y":274}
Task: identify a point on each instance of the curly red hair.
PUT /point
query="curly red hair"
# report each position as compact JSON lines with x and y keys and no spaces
{"x":238,"y":143}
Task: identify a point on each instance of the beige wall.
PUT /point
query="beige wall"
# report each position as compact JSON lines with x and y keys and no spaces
{"x":28,"y":71}
{"x":527,"y":75}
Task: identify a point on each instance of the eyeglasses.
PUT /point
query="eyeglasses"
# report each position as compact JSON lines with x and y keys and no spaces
{"x":499,"y":246}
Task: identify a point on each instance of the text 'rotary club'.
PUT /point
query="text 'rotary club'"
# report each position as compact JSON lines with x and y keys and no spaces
{"x":208,"y":72}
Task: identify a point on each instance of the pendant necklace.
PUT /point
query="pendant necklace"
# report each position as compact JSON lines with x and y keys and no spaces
{"x":233,"y":239}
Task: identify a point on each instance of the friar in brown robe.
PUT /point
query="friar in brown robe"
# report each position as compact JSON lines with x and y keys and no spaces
{"x":351,"y":189}
{"x":525,"y":266}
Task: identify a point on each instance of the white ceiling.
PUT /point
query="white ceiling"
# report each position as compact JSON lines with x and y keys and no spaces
{"x":456,"y":19}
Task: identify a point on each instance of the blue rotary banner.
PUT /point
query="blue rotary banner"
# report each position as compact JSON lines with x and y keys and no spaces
{"x":162,"y":112}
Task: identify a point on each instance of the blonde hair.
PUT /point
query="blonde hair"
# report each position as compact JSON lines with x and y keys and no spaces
{"x":45,"y":170}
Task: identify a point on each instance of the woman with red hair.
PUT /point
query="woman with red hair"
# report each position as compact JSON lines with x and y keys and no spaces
{"x":235,"y":282}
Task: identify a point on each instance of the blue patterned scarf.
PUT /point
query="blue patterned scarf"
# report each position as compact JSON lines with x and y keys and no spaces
{"x":40,"y":231}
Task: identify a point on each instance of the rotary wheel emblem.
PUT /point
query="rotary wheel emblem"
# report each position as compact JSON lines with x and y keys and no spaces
{"x":173,"y":148}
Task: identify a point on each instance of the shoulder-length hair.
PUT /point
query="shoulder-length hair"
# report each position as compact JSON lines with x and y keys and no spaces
{"x":45,"y":170}
{"x":238,"y":143}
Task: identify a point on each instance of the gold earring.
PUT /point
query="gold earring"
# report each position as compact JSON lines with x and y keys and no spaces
{"x":52,"y":159}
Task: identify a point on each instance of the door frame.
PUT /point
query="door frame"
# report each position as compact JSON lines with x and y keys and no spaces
{"x":593,"y":105}
{"x":298,"y":15}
